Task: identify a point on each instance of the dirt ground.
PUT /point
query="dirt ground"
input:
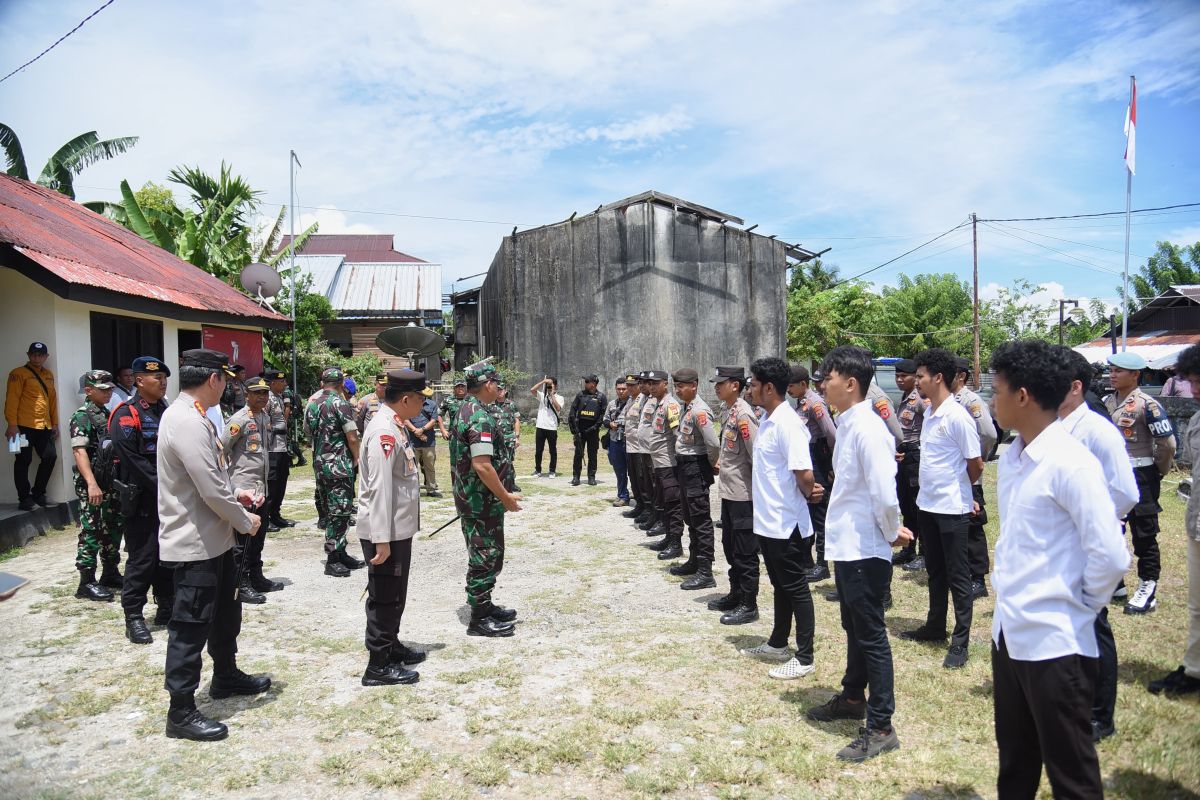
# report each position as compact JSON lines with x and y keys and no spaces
{"x":617,"y":683}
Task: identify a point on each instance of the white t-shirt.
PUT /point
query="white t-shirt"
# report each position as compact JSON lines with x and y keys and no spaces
{"x":949,"y":439}
{"x":547,"y":417}
{"x":780,"y":448}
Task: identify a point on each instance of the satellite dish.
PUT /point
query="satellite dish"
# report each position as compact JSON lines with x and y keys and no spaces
{"x":410,"y":341}
{"x":262,"y":282}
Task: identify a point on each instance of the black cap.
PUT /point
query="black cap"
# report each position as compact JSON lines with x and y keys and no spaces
{"x":818,"y":376}
{"x":38,"y":348}
{"x":686,"y":375}
{"x":907,"y":366}
{"x":641,"y":376}
{"x":274,"y":375}
{"x":238,"y":368}
{"x":210,"y":359}
{"x":655,"y":375}
{"x":962,"y":365}
{"x":150,"y":365}
{"x":406,"y":380}
{"x":257,"y":385}
{"x":725,"y":373}
{"x":591,"y":378}
{"x":799,"y":373}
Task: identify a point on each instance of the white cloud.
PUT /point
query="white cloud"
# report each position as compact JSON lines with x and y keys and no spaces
{"x":332,"y":221}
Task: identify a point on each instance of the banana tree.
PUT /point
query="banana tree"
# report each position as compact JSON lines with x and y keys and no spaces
{"x":68,"y":161}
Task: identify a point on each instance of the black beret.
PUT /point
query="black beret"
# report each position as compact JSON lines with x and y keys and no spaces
{"x":151,"y":365}
{"x":907,"y":366}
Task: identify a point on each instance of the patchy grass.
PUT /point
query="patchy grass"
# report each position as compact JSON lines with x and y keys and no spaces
{"x":69,"y":706}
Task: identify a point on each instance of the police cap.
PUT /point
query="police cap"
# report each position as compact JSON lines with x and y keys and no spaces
{"x":1127,"y":360}
{"x":382,"y":377}
{"x":274,"y":375}
{"x":906,"y":366}
{"x":257,"y":385}
{"x":727,"y":373}
{"x":685,"y":375}
{"x":630,"y":379}
{"x":209,"y":359}
{"x":405,"y":380}
{"x":654,"y":375}
{"x":150,"y":365}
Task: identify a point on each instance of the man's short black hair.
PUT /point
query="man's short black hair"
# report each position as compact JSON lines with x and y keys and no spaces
{"x":851,"y":362}
{"x":1188,"y":364}
{"x":741,"y":383}
{"x":1077,"y":366}
{"x":774,"y":371}
{"x":938,"y":361}
{"x":1033,"y":365}
{"x":800,"y":374}
{"x":191,"y":377}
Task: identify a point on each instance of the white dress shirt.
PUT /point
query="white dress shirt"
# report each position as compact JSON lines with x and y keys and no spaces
{"x":1060,"y":553}
{"x":864,"y":515}
{"x":1105,"y":442}
{"x":949,"y":439}
{"x":781,"y":447}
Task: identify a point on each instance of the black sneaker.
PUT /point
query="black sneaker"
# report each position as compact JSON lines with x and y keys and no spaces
{"x":838,"y":708}
{"x":27,"y":504}
{"x":916,"y":565}
{"x":956,"y":657}
{"x":390,"y":674}
{"x":923,"y":634}
{"x":820,"y":572}
{"x":1101,"y":730}
{"x":727,"y":603}
{"x":136,"y":631}
{"x":237,"y":682}
{"x":41,"y":500}
{"x":197,"y":727}
{"x":978,"y":588}
{"x":1174,"y":684}
{"x":903,"y":556}
{"x":742,"y":615}
{"x":336,"y":569}
{"x":869,"y":744}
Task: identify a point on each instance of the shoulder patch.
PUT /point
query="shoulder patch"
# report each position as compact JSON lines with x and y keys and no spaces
{"x":387,"y":443}
{"x":976,"y":409}
{"x":882,"y":408}
{"x":701,"y":418}
{"x":818,"y":410}
{"x":234,"y":429}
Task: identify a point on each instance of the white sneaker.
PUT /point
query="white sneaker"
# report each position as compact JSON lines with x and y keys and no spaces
{"x":1143,"y":600}
{"x":792,"y":669}
{"x":765,"y":650}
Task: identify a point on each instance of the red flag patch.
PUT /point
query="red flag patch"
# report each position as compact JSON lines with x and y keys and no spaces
{"x":387,"y":443}
{"x":485,"y":437}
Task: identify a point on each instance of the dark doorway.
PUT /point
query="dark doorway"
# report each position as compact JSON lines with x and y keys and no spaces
{"x":117,"y":340}
{"x":190,"y":340}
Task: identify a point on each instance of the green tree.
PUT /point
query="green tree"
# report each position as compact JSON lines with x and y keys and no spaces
{"x":925,"y":311}
{"x":813,"y":276}
{"x":1171,"y":265}
{"x":819,"y":321}
{"x":68,"y":161}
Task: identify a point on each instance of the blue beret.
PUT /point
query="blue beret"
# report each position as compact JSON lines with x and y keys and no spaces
{"x":1127,"y":360}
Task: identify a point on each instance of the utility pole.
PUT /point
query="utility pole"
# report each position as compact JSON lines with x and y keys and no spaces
{"x":975,"y":312}
{"x":293,"y":161}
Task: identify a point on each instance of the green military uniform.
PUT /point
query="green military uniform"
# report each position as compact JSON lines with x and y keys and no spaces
{"x":100,"y":524}
{"x":449,"y":409}
{"x":328,"y":420}
{"x":295,"y":429}
{"x":506,"y":415}
{"x":473,"y":433}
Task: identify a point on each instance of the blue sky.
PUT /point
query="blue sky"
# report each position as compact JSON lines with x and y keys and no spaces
{"x":866,"y":127}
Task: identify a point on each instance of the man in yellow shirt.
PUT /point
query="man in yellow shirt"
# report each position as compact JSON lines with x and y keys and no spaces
{"x":31,"y":410}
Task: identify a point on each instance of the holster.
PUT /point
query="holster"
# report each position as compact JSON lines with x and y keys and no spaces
{"x":128,"y":496}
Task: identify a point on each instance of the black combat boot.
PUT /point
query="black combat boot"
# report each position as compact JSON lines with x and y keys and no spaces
{"x":89,"y":589}
{"x":502,"y":614}
{"x":591,"y":480}
{"x":162,"y":614}
{"x":484,"y":624}
{"x":726,"y":603}
{"x":262,"y":583}
{"x":406,"y":656}
{"x":703,"y":579}
{"x":632,"y":513}
{"x":686,"y":568}
{"x":388,"y":673}
{"x":247,"y":594}
{"x":742,"y":615}
{"x":674,"y":549}
{"x":136,"y":630}
{"x":657,"y":529}
{"x":660,"y":545}
{"x":334,"y":567}
{"x":575,"y":481}
{"x":184,"y":721}
{"x":234,"y":681}
{"x":350,"y":561}
{"x":111,"y":576}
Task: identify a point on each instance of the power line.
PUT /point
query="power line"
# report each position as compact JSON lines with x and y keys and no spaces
{"x":902,"y":255}
{"x":1084,"y":261}
{"x":57,"y":43}
{"x":1086,"y":216}
{"x":1069,"y":241}
{"x":908,"y":335}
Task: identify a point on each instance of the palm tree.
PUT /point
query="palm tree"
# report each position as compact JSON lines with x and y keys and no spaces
{"x":67,"y":162}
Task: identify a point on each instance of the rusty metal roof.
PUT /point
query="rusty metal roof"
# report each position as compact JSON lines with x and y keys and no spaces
{"x":358,"y":248}
{"x":82,"y":249}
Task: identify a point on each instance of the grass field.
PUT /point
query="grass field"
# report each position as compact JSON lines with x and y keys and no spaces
{"x":616,"y":685}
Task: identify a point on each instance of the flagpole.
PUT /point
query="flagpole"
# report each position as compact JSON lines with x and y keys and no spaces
{"x":1128,"y":206}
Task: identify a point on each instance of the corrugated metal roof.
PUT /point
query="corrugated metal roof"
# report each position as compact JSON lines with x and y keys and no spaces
{"x":358,"y":248}
{"x":323,"y":269}
{"x":1154,"y":345}
{"x":380,"y":290}
{"x":84,"y":249}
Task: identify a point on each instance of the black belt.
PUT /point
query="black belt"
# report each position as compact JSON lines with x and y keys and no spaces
{"x":910,"y":447}
{"x":681,"y":459}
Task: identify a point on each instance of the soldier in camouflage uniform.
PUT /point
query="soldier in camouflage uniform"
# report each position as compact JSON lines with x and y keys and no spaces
{"x":448,"y":410}
{"x":481,"y":472}
{"x":507,"y":425}
{"x":99,"y":519}
{"x":295,"y":429}
{"x":330,"y":422}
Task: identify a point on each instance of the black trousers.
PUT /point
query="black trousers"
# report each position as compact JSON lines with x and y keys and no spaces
{"x":907,"y":486}
{"x":541,"y":438}
{"x":822,"y":461}
{"x":1143,"y":522}
{"x":247,"y":549}
{"x":41,"y":442}
{"x":669,"y":501}
{"x":645,"y":480}
{"x":1043,"y":713}
{"x":1105,"y":702}
{"x":387,"y":592}
{"x":944,"y":538}
{"x":591,"y":441}
{"x":741,"y":549}
{"x":977,"y":543}
{"x":861,"y":587}
{"x":206,"y":612}
{"x":277,"y":478}
{"x":635,"y":487}
{"x":142,"y":568}
{"x":695,"y":476}
{"x":785,"y":567}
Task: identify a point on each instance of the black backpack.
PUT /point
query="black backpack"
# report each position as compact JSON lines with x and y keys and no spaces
{"x":104,"y":465}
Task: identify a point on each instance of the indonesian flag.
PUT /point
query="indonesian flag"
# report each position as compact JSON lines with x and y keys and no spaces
{"x":1131,"y":128}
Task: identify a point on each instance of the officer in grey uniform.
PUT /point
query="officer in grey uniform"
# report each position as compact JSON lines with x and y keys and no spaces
{"x":654,"y":525}
{"x":1150,"y":443}
{"x":245,"y":443}
{"x":696,"y":450}
{"x":815,"y":413}
{"x":882,"y":405}
{"x":977,"y":544}
{"x":911,"y":415}
{"x":659,"y":437}
{"x":198,"y":514}
{"x":642,"y":504}
{"x":279,"y":462}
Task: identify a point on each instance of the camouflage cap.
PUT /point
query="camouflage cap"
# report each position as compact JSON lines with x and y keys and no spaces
{"x":332,"y":375}
{"x":480,"y":373}
{"x":98,"y":379}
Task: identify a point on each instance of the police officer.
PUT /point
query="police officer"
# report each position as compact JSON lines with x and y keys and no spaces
{"x":815,"y":412}
{"x":1150,"y":443}
{"x":330,"y":422}
{"x":911,"y":416}
{"x":631,"y":420}
{"x":244,"y":440}
{"x":882,"y":405}
{"x":234,"y":398}
{"x":654,"y":524}
{"x":369,"y":405}
{"x":133,"y":430}
{"x":99,"y":518}
{"x":278,"y":459}
{"x":660,"y":442}
{"x":614,"y":427}
{"x":977,"y":543}
{"x":388,"y":518}
{"x":696,"y":451}
{"x":584,"y":420}
{"x":200,"y":513}
{"x":481,"y":472}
